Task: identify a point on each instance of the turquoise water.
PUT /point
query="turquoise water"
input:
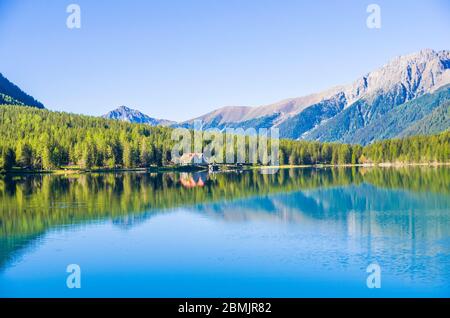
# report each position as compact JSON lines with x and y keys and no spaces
{"x":312,"y":234}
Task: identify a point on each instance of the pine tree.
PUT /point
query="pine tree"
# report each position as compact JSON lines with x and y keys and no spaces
{"x":8,"y":159}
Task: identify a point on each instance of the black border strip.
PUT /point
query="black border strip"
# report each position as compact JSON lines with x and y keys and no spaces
{"x":278,"y":306}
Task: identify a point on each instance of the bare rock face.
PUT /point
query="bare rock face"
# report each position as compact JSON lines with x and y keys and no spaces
{"x":338,"y":113}
{"x":375,"y":95}
{"x":414,"y":75}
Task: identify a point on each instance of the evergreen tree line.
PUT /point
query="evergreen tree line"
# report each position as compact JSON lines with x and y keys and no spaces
{"x":41,"y":139}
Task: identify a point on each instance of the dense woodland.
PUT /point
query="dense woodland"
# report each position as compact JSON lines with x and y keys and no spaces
{"x":34,"y":138}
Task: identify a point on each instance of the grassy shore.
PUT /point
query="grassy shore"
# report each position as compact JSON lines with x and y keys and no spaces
{"x":77,"y":170}
{"x":364,"y":165}
{"x":154,"y":169}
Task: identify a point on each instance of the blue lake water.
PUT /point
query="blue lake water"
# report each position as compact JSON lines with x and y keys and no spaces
{"x":299,"y":233}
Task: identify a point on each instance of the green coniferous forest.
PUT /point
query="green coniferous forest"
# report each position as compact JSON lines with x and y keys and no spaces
{"x":32,"y":138}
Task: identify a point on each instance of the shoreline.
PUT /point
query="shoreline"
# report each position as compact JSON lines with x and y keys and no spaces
{"x":362,"y":165}
{"x":163,"y":169}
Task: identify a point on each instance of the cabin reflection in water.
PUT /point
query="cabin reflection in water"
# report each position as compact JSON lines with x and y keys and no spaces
{"x":193,"y":180}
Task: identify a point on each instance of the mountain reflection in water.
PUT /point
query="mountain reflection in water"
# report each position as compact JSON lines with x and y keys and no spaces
{"x":403,"y":214}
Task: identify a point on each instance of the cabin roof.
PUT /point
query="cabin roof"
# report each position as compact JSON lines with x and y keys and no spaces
{"x":193,"y":158}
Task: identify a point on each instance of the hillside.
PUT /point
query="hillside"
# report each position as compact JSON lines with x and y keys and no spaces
{"x":438,"y":120}
{"x":349,"y":113}
{"x":10,"y":94}
{"x":352,"y":127}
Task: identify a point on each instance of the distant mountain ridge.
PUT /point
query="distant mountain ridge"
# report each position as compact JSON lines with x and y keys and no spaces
{"x":127,"y":114}
{"x":407,"y":96}
{"x":343,"y":113}
{"x":398,"y":121}
{"x":402,"y":80}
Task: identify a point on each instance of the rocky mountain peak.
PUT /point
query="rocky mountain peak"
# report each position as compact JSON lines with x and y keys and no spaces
{"x":130,"y":115}
{"x":411,"y":75}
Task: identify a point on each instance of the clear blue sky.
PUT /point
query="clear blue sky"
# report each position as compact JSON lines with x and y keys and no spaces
{"x":178,"y":59}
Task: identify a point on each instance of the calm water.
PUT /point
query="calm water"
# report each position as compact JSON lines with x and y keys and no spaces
{"x":300,"y":232}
